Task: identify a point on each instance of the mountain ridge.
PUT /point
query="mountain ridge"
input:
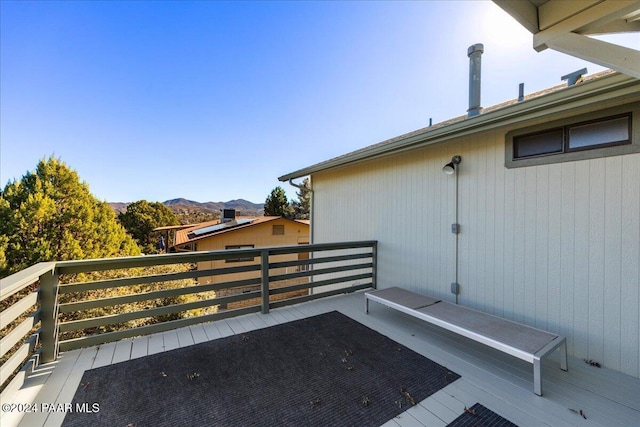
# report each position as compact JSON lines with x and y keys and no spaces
{"x":182,"y":205}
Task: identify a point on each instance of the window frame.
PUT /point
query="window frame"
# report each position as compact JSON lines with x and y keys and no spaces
{"x":632,"y":145}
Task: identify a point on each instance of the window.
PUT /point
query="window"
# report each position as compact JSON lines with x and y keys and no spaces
{"x":581,"y":136}
{"x":240,"y":258}
{"x":277,"y":230}
{"x":538,"y":144}
{"x":591,"y":135}
{"x":602,"y":132}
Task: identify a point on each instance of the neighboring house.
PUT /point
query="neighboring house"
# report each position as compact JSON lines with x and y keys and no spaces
{"x":547,"y":198}
{"x":241,"y":233}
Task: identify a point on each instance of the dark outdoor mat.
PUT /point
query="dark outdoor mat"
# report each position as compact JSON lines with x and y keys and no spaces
{"x":479,"y":416}
{"x":319,"y":371}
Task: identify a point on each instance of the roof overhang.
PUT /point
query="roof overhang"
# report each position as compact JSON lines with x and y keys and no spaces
{"x":614,"y":86}
{"x":565,"y":26}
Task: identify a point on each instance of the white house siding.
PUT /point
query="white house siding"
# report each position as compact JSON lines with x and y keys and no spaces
{"x":554,"y":246}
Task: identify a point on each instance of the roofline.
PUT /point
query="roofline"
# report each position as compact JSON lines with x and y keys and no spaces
{"x":266,"y":219}
{"x":608,"y":86}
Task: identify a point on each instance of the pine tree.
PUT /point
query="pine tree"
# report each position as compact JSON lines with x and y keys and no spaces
{"x":302,"y":206}
{"x":277,"y":204}
{"x":51,"y":215}
{"x":142,"y":217}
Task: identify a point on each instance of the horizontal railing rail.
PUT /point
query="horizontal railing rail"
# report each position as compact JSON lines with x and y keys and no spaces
{"x":60,"y":306}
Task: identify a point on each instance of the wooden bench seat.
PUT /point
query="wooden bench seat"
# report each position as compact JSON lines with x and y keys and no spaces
{"x":518,"y":340}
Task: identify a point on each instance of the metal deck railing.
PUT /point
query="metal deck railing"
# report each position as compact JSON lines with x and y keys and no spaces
{"x":60,"y":306}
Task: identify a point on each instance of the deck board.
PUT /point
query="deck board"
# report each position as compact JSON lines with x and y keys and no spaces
{"x":171,"y":341}
{"x":70,"y":385}
{"x":422,"y":415}
{"x":198,"y":333}
{"x":122,"y":351}
{"x":156,"y":343}
{"x":496,"y":381}
{"x":211,"y":330}
{"x":104,"y":355}
{"x":185,"y":338}
{"x":140,"y":347}
{"x":224,"y":329}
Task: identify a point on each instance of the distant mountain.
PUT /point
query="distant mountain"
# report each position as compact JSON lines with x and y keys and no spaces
{"x":237,"y":204}
{"x":118,"y":206}
{"x":203,"y":211}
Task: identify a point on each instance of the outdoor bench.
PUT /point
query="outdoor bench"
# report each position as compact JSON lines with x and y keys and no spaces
{"x":524,"y":342}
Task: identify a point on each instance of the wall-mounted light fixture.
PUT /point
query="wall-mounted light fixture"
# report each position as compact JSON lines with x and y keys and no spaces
{"x":450,"y":167}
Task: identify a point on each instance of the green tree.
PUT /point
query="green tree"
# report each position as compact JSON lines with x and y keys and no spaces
{"x":142,"y":217}
{"x":302,"y":206}
{"x":4,"y":241}
{"x":51,"y":215}
{"x":276,"y":204}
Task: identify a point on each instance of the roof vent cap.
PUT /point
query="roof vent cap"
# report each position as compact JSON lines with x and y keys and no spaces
{"x":575,"y":77}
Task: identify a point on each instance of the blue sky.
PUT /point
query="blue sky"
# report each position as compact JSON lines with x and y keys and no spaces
{"x":212,"y":101}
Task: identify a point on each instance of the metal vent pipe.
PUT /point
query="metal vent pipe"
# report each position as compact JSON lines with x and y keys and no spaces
{"x":474,"y":53}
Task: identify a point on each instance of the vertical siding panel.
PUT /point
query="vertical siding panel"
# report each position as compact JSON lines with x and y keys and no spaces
{"x":554,"y":245}
{"x":541,"y":246}
{"x":426,"y":261}
{"x":481,"y":231}
{"x":581,"y":266}
{"x":519,"y":284}
{"x":509,"y":235}
{"x":416,"y":236}
{"x":612,"y":257}
{"x":440,"y":257}
{"x":630,"y":266}
{"x":435,"y":203}
{"x":465,"y":209}
{"x":447,"y":216}
{"x":498,"y":216}
{"x":417,"y":216}
{"x":596,"y":259}
{"x":490,"y":227}
{"x":530,"y":232}
{"x":471,"y":235}
{"x":567,"y":250}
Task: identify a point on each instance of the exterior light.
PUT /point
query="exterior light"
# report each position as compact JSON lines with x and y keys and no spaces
{"x":450,"y":167}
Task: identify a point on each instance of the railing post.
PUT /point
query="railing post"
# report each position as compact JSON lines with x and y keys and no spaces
{"x":49,"y":315}
{"x":374,"y":265}
{"x":264,"y":258}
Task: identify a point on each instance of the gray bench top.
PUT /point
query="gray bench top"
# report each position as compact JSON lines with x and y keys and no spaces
{"x":516,"y":335}
{"x":404,"y":298}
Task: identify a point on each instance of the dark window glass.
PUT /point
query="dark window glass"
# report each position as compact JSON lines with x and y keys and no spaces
{"x":538,"y":144}
{"x":604,"y":132}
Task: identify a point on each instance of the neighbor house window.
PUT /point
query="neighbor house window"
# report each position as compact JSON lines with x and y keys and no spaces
{"x":599,"y":133}
{"x":604,"y":133}
{"x":277,"y":230}
{"x":240,"y":258}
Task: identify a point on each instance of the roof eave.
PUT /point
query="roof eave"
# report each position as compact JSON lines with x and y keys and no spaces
{"x":544,"y":105}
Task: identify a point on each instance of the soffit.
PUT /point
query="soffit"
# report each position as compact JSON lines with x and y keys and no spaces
{"x":565,"y":26}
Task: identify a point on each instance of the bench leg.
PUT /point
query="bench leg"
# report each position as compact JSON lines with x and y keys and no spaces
{"x":563,"y":356}
{"x":537,"y":376}
{"x":366,"y":304}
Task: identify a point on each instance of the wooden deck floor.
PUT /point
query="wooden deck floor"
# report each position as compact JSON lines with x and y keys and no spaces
{"x":499,"y":382}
